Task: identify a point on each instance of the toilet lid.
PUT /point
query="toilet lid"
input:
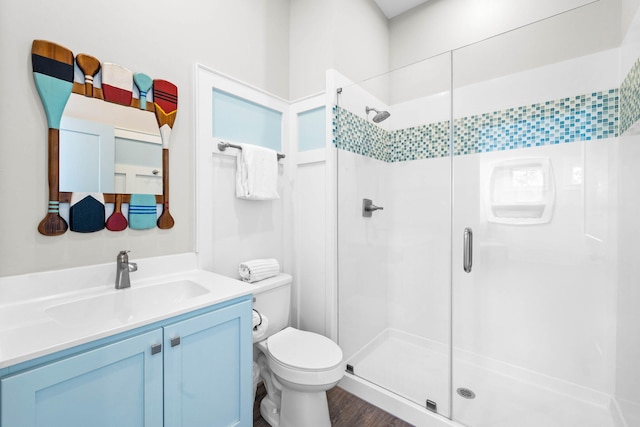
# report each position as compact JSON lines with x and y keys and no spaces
{"x":304,"y":350}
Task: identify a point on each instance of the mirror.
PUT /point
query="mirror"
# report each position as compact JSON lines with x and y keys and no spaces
{"x":109,"y":148}
{"x":101,"y":153}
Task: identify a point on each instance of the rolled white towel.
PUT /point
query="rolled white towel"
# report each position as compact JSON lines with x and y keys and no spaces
{"x":258,"y":269}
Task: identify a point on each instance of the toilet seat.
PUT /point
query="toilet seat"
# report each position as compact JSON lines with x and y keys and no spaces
{"x":303,"y":358}
{"x":306,"y":351}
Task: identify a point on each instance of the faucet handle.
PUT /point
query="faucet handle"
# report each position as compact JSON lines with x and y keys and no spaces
{"x":123,"y":256}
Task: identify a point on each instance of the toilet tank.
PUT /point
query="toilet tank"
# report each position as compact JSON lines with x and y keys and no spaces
{"x":272,"y":298}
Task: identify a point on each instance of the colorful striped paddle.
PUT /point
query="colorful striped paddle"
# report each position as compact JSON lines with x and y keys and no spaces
{"x":142,"y":211}
{"x":53,"y":75}
{"x":117,"y":83}
{"x":90,"y":66}
{"x":165,"y":100}
{"x":143,"y":82}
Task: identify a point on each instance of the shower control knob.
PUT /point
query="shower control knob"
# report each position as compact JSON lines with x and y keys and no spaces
{"x":368,"y":208}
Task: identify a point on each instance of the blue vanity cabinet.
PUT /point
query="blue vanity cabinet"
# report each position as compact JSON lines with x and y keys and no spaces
{"x":116,"y":385}
{"x":190,"y":370}
{"x":208,"y":377}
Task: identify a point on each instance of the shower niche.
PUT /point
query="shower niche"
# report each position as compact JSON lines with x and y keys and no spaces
{"x":519,"y":191}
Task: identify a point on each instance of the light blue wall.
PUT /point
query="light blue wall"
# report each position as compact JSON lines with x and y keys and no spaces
{"x":311,"y":129}
{"x":237,"y":120}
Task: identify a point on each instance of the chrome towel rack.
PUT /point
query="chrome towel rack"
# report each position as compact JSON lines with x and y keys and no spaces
{"x":224,"y":145}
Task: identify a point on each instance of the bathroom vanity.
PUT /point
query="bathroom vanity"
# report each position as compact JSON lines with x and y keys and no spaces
{"x":173,"y":350}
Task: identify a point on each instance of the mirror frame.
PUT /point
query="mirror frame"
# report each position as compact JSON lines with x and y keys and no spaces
{"x":51,"y":64}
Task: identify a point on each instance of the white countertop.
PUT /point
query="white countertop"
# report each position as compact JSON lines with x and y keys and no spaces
{"x":28,"y":331}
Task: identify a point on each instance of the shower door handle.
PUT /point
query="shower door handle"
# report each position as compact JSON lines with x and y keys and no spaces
{"x":467,"y":255}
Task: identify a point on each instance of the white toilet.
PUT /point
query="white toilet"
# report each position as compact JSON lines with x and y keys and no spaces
{"x":297,"y":367}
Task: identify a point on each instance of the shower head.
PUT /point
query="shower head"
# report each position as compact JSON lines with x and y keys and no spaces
{"x":380,"y":115}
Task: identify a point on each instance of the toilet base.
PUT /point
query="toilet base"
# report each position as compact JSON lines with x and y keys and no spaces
{"x":269,"y":412}
{"x":309,"y":409}
{"x":298,"y":409}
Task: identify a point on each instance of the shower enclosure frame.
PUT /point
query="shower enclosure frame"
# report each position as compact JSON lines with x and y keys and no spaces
{"x":552,"y":175}
{"x":381,"y":396}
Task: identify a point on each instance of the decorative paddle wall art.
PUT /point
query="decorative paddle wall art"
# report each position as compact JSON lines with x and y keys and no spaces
{"x":166,"y":105}
{"x":53,"y":73}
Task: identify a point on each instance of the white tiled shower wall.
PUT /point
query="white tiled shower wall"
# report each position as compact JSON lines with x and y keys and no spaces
{"x":627,"y":380}
{"x":543,"y":297}
{"x":552,"y":307}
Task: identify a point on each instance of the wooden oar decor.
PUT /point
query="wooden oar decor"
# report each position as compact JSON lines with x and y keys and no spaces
{"x":53,"y":75}
{"x":143,"y":83}
{"x":117,"y":221}
{"x":117,"y":84}
{"x":89,"y":66}
{"x":86,"y":212}
{"x":165,"y":100}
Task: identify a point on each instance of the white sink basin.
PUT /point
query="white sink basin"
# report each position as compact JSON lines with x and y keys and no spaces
{"x":126,"y":305}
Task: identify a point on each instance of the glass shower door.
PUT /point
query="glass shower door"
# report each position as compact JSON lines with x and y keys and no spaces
{"x":533,"y":233}
{"x":394,"y":266}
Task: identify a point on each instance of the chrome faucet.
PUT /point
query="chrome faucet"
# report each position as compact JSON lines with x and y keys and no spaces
{"x":123,"y":268}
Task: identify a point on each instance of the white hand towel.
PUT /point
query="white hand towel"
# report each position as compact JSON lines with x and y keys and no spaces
{"x":258,"y":269}
{"x":257,"y":173}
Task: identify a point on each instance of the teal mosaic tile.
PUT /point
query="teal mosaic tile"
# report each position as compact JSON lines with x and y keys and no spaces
{"x":579,"y":118}
{"x":630,"y":98}
{"x":357,"y":135}
{"x":421,"y":142}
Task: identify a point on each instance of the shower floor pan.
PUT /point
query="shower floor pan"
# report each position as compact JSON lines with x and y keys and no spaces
{"x":418,"y":369}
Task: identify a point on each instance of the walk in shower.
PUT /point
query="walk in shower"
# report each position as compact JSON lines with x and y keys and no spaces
{"x":486,"y":289}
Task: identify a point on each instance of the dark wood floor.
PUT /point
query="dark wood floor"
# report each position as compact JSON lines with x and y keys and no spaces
{"x":346,"y":410}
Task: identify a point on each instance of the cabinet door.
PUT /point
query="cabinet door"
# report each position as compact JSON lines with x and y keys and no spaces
{"x":208,"y":373}
{"x":116,"y":385}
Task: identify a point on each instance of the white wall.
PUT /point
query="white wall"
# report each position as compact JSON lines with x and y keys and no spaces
{"x":363,"y":250}
{"x":311,"y":254}
{"x":420,"y":248}
{"x":311,"y":298}
{"x":441,"y":25}
{"x":548,"y":82}
{"x":325,"y":35}
{"x":629,"y":9}
{"x":244,"y":38}
{"x":232,"y":230}
{"x":310,"y":47}
{"x":555,"y":283}
{"x":349,"y":36}
{"x":542,"y":297}
{"x":628,"y":320}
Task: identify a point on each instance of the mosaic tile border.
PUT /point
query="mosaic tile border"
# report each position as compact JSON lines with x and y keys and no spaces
{"x":579,"y":118}
{"x":630,"y":98}
{"x":355,"y":134}
{"x":421,"y":142}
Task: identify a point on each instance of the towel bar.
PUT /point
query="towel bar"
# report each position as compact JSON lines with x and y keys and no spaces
{"x":224,"y":145}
